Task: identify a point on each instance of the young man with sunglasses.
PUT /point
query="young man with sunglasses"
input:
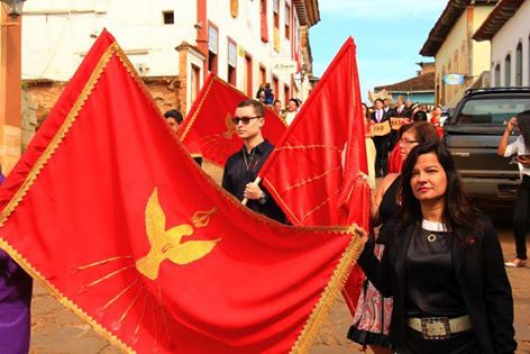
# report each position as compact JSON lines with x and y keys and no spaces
{"x":242,"y":168}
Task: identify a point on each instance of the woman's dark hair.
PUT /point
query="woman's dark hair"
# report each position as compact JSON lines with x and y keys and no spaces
{"x":424,"y":132}
{"x":175,"y":114}
{"x":459,"y":216}
{"x":419,"y":116}
{"x":523,"y":121}
{"x":367,"y":113}
{"x":296,"y":101}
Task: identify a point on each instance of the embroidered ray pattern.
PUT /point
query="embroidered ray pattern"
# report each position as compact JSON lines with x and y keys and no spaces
{"x":316,"y":173}
{"x":208,"y":130}
{"x":94,"y":195}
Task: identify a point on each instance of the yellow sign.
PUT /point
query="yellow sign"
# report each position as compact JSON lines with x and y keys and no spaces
{"x":167,"y":244}
{"x":396,"y":123}
{"x":382,"y":129}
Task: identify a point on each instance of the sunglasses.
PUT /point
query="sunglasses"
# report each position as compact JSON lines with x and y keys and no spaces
{"x":244,"y":120}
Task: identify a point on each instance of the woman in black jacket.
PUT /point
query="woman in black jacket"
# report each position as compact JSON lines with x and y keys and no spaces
{"x":443,"y":266}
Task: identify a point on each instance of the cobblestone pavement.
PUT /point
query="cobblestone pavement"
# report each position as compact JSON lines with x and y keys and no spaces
{"x":57,"y":331}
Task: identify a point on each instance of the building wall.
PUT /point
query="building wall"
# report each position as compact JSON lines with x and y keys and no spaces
{"x":58,"y":33}
{"x":455,"y":45}
{"x":245,"y":31}
{"x":461,"y":54}
{"x":481,"y":59}
{"x":514,"y":32}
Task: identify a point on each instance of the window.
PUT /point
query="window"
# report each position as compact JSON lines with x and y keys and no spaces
{"x":169,"y":17}
{"x":195,"y":81}
{"x":276,"y":10}
{"x":287,"y":21}
{"x":263,"y":20}
{"x":213,"y":45}
{"x":519,"y":65}
{"x":497,"y":75}
{"x":248,"y":74}
{"x":262,"y":74}
{"x":276,"y":87}
{"x":492,"y":111}
{"x":232,"y":62}
{"x":463,"y":58}
{"x":286,"y":94}
{"x":507,"y":70}
{"x":443,"y":93}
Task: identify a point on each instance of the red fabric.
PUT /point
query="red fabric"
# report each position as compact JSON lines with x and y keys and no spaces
{"x":305,"y":173}
{"x":208,"y":128}
{"x":90,"y":204}
{"x":264,"y":27}
{"x":395,"y":161}
{"x":439,"y":131}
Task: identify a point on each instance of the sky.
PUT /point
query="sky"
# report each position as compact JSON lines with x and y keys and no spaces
{"x":388,"y":34}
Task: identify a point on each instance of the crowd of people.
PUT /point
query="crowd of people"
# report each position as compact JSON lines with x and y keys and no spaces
{"x":266,"y":96}
{"x":436,"y":279}
{"x":383,"y":122}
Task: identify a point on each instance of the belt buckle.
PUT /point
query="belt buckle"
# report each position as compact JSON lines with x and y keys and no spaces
{"x":435,"y":328}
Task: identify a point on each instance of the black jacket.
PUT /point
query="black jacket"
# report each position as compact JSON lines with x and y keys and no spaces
{"x":405,"y":112}
{"x":480,"y":273}
{"x":386,"y":116}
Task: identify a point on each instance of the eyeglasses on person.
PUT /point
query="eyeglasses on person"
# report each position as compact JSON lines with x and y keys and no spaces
{"x":407,"y":141}
{"x":244,"y":120}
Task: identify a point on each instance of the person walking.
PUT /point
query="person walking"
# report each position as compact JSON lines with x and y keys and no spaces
{"x":443,"y":265}
{"x":520,"y":148}
{"x":372,"y":316}
{"x":16,"y":288}
{"x":242,"y":168}
{"x":381,"y":142}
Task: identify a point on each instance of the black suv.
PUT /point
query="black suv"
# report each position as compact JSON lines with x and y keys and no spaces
{"x":472,"y":134}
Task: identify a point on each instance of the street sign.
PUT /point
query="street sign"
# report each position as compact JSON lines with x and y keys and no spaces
{"x":284,"y":67}
{"x":454,"y":79}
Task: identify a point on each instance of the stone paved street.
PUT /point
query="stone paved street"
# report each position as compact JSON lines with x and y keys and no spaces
{"x":57,"y":331}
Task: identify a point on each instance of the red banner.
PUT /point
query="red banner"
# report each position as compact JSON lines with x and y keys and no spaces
{"x":317,"y":172}
{"x":314,"y":169}
{"x":119,"y":223}
{"x":209,"y":122}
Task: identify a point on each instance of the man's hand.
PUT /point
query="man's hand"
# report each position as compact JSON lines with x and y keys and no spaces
{"x":524,"y":160}
{"x":253,"y":192}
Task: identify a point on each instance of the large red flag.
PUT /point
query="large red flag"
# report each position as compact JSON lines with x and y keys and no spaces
{"x":317,"y":171}
{"x":119,"y":223}
{"x":209,"y":125}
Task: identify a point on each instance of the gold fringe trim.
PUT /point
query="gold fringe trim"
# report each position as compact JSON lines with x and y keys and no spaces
{"x":114,"y":49}
{"x":196,"y":113}
{"x":201,"y":103}
{"x":327,"y":300}
{"x":30,"y":179}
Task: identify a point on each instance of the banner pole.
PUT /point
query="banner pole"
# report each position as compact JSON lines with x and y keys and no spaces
{"x":256,"y":182}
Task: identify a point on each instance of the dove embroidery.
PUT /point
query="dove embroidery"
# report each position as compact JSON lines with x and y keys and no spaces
{"x":168,"y":244}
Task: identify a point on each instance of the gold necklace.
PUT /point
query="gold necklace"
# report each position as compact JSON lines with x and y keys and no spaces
{"x":250,"y":159}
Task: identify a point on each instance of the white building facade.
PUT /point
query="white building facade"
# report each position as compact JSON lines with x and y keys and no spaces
{"x":508,"y":29}
{"x":245,"y":42}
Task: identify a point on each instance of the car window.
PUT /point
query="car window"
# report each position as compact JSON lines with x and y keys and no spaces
{"x":492,"y":111}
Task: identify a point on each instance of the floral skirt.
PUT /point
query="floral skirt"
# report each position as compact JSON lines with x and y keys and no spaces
{"x":371,"y":322}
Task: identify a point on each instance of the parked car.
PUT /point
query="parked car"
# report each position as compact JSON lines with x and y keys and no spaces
{"x":472,"y":134}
